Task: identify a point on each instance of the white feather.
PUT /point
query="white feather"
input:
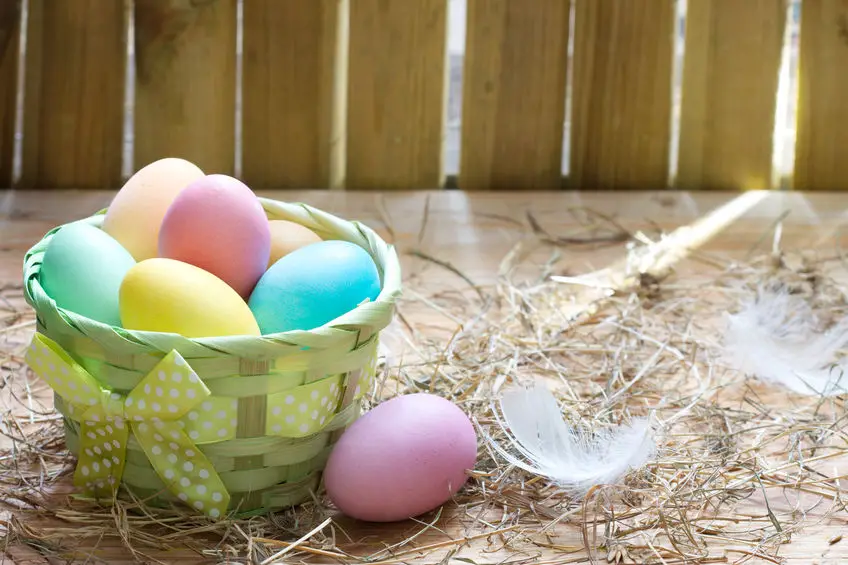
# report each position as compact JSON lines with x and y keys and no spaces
{"x":775,"y":338}
{"x":549,"y":447}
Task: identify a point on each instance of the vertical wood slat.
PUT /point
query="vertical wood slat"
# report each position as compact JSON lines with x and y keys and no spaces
{"x":820,"y":159}
{"x":185,"y":82}
{"x":74,"y":94}
{"x":621,"y":93}
{"x":289,"y":80}
{"x":514,"y":94}
{"x":10,"y":13}
{"x":731,"y":67}
{"x":396,"y":94}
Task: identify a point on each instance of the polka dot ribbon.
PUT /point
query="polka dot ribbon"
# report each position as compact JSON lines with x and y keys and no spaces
{"x":151,"y":410}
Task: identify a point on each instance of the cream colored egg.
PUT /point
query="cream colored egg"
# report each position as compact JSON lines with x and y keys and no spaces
{"x":135,"y":214}
{"x":165,"y":295}
{"x":287,"y":236}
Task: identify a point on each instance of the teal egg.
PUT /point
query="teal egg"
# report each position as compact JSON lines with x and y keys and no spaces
{"x":82,"y":269}
{"x":314,"y":285}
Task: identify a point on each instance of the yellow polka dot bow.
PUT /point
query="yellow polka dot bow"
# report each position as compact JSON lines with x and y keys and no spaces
{"x":152,"y":409}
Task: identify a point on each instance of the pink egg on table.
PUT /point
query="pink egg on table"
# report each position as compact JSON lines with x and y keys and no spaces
{"x":217,"y":223}
{"x":405,"y":457}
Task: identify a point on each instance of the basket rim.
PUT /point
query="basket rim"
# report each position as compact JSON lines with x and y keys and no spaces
{"x":373,"y":316}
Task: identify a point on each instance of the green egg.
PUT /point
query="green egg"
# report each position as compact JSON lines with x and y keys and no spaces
{"x":82,"y":270}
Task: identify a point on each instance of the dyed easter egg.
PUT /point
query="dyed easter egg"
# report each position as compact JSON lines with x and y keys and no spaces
{"x":217,"y":223}
{"x":405,"y":457}
{"x":314,"y":285}
{"x":164,"y":295}
{"x":82,"y":270}
{"x":135,"y":214}
{"x":286,"y":237}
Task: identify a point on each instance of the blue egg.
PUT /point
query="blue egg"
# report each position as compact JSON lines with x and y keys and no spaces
{"x":314,"y":285}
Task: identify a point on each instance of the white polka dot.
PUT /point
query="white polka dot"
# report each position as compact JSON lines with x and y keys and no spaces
{"x":77,"y":399}
{"x":96,"y":467}
{"x":141,"y":404}
{"x":108,"y":446}
{"x":217,"y":496}
{"x":221,"y":415}
{"x":314,"y":414}
{"x":158,"y":437}
{"x":290,"y":419}
{"x":276,"y":411}
{"x":207,"y":406}
{"x":201,"y":489}
{"x":304,"y":428}
{"x":234,"y":404}
{"x":128,"y":401}
{"x":173,"y":446}
{"x":314,"y":395}
{"x":147,"y":388}
{"x":323,"y":401}
{"x":357,"y":391}
{"x":116,"y":443}
{"x":322,"y":420}
{"x":157,"y":423}
{"x":174,"y":393}
{"x":65,"y":371}
{"x":207,"y":425}
{"x":85,"y":470}
{"x":159,"y":391}
{"x":89,"y":452}
{"x":172,"y":408}
{"x":198,"y":504}
{"x":276,"y":428}
{"x":161,"y":375}
{"x":188,"y":466}
{"x":72,"y":385}
{"x":97,"y":450}
{"x":107,"y":463}
{"x":192,"y":377}
{"x":234,"y":422}
{"x":95,"y":418}
{"x":222,"y":432}
{"x":178,"y":360}
{"x":214,"y":513}
{"x":189,"y":453}
{"x":303,"y":407}
{"x":115,"y":460}
{"x":119,"y":423}
{"x":190,"y":393}
{"x":192,"y":415}
{"x":290,"y":399}
{"x":174,"y":434}
{"x":177,"y":377}
{"x":172,"y":459}
{"x":91,"y":435}
{"x":194,"y":434}
{"x":156,"y":450}
{"x":156,"y":407}
{"x":109,"y":429}
{"x":169,"y":473}
{"x":182,"y":496}
{"x":92,"y":401}
{"x":101,"y":432}
{"x":204,"y":474}
{"x":185,"y":482}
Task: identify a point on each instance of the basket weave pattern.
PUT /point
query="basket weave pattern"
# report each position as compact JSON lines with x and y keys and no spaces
{"x":267,"y":448}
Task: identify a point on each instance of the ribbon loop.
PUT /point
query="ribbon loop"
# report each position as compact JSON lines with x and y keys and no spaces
{"x":152,"y":411}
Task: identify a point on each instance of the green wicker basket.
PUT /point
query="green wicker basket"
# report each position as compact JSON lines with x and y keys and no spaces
{"x":251,"y":383}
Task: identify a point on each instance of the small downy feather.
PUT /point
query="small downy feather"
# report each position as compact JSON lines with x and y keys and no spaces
{"x":573,"y":460}
{"x":774,"y":337}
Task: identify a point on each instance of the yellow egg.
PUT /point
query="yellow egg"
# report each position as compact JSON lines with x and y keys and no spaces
{"x":287,"y":236}
{"x":136,"y":212}
{"x":164,"y":295}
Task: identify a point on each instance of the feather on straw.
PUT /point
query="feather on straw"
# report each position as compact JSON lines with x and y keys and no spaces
{"x":569,"y":458}
{"x":774,"y":337}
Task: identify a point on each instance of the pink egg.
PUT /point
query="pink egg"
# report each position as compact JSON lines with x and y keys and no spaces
{"x":218,"y":224}
{"x":405,"y":457}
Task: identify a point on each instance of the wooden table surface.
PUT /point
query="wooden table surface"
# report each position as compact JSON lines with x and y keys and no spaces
{"x":474,"y":231}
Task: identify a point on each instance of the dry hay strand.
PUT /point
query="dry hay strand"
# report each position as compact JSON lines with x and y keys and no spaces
{"x":741,"y":468}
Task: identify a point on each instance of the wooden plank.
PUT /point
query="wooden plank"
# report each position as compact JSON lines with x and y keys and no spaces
{"x":396,"y":92}
{"x":513,"y":107}
{"x":74,"y":103}
{"x":820,"y":161}
{"x":289,"y":80}
{"x":10,"y":13}
{"x":621,"y":93}
{"x":185,"y":82}
{"x":730,"y":75}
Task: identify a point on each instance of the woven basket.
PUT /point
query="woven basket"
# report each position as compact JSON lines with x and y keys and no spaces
{"x":262,"y":471}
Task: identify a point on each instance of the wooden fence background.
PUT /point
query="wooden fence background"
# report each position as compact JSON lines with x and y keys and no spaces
{"x":351,"y":93}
